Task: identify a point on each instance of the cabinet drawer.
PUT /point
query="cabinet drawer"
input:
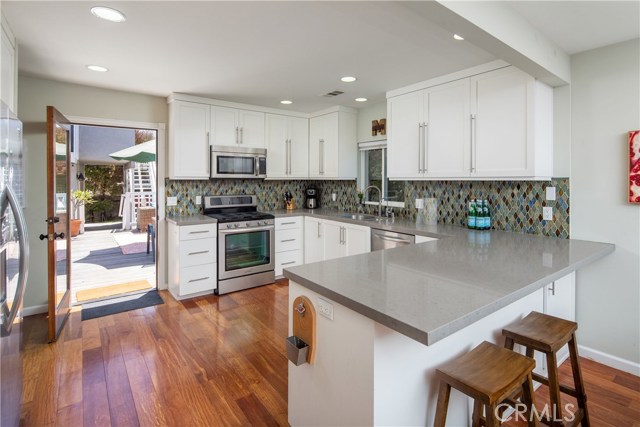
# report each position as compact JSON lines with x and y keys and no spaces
{"x":198,"y":278}
{"x":288,"y":240}
{"x":197,"y":252}
{"x":287,"y":259}
{"x":203,"y":231}
{"x":288,"y":223}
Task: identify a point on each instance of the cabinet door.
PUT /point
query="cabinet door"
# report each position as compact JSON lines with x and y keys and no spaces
{"x":501,"y":131}
{"x":404,"y":144}
{"x":358,"y":239}
{"x":224,"y":126}
{"x":298,"y":147}
{"x":189,"y":144}
{"x":560,"y":298}
{"x":447,"y":136}
{"x":330,"y":148}
{"x":251,"y":125}
{"x":277,"y":166}
{"x":313,"y":238}
{"x":332,"y":243}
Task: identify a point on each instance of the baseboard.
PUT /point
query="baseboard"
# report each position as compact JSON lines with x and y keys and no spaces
{"x":36,"y":309}
{"x":610,"y":360}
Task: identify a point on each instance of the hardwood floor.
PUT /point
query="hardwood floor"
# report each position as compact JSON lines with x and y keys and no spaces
{"x":208,"y":361}
{"x":201,"y":362}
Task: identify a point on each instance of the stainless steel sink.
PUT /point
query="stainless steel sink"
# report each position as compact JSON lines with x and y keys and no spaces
{"x":359,"y":217}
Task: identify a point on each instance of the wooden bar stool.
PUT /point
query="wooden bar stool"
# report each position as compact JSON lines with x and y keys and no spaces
{"x":549,"y":334}
{"x":489,"y":374}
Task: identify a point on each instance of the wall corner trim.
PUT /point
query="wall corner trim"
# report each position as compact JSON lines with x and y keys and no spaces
{"x":610,"y":360}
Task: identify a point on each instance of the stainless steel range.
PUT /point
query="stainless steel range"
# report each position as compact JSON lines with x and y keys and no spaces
{"x":246,"y":242}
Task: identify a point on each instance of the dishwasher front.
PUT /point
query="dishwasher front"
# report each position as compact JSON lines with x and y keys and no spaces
{"x":383,"y":239}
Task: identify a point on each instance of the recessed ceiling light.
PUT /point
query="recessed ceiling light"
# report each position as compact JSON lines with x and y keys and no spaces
{"x":97,"y":68}
{"x":108,"y":13}
{"x":457,"y":37}
{"x":361,"y":99}
{"x":286,"y":102}
{"x":348,"y":79}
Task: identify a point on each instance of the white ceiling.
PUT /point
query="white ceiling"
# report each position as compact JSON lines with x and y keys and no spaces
{"x":262,"y":52}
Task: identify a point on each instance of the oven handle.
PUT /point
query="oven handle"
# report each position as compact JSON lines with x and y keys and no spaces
{"x":246,"y":230}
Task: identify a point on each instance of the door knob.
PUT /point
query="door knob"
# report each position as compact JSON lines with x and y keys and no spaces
{"x":53,"y":236}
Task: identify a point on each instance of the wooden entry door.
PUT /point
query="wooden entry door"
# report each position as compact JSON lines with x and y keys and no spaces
{"x":58,"y":217}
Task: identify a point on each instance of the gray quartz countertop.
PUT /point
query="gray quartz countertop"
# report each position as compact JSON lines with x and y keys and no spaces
{"x":191,"y":220}
{"x":431,"y":290}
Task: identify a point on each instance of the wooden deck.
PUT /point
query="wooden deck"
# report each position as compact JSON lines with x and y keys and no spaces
{"x":97,"y":261}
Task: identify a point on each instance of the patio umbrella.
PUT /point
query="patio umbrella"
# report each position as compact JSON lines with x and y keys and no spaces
{"x":141,"y":153}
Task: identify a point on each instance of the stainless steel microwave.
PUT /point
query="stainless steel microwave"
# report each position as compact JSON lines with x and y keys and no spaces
{"x":238,"y":162}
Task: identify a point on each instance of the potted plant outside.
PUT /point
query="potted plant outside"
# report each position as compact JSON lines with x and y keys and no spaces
{"x":79,"y":198}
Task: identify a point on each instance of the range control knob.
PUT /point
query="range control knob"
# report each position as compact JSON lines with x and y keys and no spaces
{"x":248,"y":224}
{"x":228,"y":225}
{"x":236,"y":225}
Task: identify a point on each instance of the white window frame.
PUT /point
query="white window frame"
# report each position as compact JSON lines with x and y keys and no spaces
{"x":363,"y":147}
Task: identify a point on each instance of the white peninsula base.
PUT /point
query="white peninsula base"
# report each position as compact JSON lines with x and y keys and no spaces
{"x":368,"y":374}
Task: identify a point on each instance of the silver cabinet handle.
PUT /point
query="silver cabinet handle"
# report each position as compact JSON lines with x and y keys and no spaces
{"x":199,"y":232}
{"x":288,"y":263}
{"x":237,"y":140}
{"x":289,"y":223}
{"x":419,"y":147}
{"x":198,"y":252}
{"x":242,"y":135}
{"x":319,"y":230}
{"x":321,"y":157}
{"x":552,"y":289}
{"x":287,"y":240}
{"x":425,"y":140}
{"x":472,"y":131}
{"x":198,"y":280}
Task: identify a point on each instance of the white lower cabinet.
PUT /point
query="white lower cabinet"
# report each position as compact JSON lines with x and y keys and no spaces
{"x":325,"y":239}
{"x":313,"y":238}
{"x":192,"y":260}
{"x":560,"y":301}
{"x":289,"y":243}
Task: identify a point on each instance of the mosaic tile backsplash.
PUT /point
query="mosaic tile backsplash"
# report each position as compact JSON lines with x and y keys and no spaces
{"x":515,"y":205}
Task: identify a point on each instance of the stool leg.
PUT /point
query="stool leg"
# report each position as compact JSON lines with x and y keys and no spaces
{"x":443,"y":404}
{"x":148,"y":238}
{"x":554,"y":390}
{"x":492,"y":416}
{"x":508,"y":343}
{"x":477,"y":413}
{"x":528,"y":398}
{"x":577,"y":380}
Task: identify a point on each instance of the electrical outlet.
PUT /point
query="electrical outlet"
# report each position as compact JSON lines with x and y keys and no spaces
{"x":547,"y":213}
{"x":551,"y":193}
{"x":172,"y":201}
{"x":198,"y":200}
{"x":325,"y":308}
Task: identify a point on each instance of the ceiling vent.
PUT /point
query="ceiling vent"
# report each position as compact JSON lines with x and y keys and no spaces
{"x":333,"y":93}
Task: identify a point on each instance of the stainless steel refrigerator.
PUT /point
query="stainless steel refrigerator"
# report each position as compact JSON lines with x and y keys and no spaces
{"x":14,"y":260}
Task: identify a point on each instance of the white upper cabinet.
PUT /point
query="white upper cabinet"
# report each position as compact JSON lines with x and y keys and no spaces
{"x":231,"y":126}
{"x":287,"y":146}
{"x":188,"y":140}
{"x":8,"y":68}
{"x":332,"y":146}
{"x":495,"y":124}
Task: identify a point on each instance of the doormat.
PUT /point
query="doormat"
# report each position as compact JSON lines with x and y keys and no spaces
{"x":134,"y":248}
{"x":108,"y":291}
{"x":131,"y":242}
{"x":96,"y":309}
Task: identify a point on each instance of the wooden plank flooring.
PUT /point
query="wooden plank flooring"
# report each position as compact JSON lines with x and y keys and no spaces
{"x":97,"y":261}
{"x":208,"y":361}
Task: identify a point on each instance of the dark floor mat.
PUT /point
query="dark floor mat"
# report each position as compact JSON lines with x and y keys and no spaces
{"x":118,"y":305}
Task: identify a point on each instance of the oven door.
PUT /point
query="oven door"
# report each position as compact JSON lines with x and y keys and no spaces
{"x":237,"y":165}
{"x":245,"y":252}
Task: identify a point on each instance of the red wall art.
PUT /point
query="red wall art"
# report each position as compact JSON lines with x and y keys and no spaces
{"x":634,"y":166}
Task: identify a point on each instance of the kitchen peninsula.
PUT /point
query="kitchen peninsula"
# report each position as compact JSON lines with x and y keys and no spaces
{"x":400,"y":313}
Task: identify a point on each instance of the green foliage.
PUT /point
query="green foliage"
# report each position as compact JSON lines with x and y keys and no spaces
{"x":100,"y":209}
{"x":81,"y":198}
{"x":104,"y":180}
{"x":142,"y":135}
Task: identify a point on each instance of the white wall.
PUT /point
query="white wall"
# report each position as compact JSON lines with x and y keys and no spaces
{"x":34,"y":95}
{"x":365,"y":116}
{"x":605,"y":98}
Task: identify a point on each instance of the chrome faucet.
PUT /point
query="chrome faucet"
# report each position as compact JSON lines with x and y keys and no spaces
{"x":379,"y":198}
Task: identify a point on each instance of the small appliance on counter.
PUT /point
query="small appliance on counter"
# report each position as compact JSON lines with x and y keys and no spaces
{"x":312,"y":197}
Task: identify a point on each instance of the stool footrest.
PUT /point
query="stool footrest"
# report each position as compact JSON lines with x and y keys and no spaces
{"x":563,"y":388}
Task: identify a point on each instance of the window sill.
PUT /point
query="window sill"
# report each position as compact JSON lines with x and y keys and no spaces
{"x":384,"y":203}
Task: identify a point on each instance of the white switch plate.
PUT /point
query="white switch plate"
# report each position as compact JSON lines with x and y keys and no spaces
{"x":547,"y":213}
{"x":198,"y":200}
{"x":325,"y":308}
{"x":172,"y":201}
{"x":551,"y":193}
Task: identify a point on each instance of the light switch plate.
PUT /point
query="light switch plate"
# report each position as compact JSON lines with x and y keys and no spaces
{"x":551,"y":193}
{"x":198,"y":200}
{"x":172,"y":201}
{"x":547,"y":213}
{"x":325,"y":308}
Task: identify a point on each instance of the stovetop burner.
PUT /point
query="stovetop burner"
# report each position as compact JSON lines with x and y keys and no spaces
{"x":234,"y":209}
{"x":240,"y":216}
